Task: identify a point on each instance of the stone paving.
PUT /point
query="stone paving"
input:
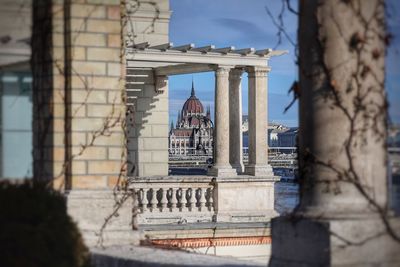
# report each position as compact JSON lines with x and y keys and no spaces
{"x":129,"y":256}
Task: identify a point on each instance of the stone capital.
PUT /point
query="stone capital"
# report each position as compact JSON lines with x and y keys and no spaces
{"x":258,"y":71}
{"x":222,"y":70}
{"x":236,"y":74}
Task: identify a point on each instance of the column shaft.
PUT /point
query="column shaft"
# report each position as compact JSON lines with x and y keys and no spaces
{"x":221,"y":166}
{"x":235,"y":120}
{"x":342,"y":132}
{"x":258,"y":148}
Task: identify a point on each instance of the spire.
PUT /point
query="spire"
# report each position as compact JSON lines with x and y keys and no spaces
{"x":208,"y":114}
{"x":178,"y":121}
{"x":192,"y":93}
{"x":172,"y":125}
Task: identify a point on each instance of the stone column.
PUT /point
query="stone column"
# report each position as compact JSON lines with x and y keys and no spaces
{"x":221,"y":166}
{"x":258,"y":148}
{"x":343,"y":218}
{"x":235,"y":120}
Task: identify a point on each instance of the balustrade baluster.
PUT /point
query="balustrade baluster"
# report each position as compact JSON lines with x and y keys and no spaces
{"x":184,"y":200}
{"x":164,"y":200}
{"x":143,"y":199}
{"x":211,"y":199}
{"x":202,"y":198}
{"x":173,"y":199}
{"x":179,"y":194}
{"x":139,"y":197}
{"x":191,"y":200}
{"x":153,"y":202}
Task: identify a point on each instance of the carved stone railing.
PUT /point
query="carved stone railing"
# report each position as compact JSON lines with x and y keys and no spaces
{"x":174,"y":199}
{"x":194,"y":199}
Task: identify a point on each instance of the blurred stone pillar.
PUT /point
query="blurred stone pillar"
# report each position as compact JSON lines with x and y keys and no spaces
{"x":342,"y":219}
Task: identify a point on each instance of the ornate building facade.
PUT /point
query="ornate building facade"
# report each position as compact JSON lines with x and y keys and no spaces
{"x":193,"y":132}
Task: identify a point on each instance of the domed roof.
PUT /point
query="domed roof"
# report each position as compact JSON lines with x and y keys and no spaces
{"x":192,"y":104}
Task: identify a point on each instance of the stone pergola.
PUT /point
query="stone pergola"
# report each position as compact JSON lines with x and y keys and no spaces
{"x":331,"y":227}
{"x":228,"y":64}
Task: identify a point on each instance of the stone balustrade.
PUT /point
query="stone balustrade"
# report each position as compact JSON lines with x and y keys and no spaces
{"x":174,"y":199}
{"x":195,"y":199}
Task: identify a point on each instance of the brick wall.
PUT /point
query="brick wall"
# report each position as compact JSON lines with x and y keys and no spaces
{"x":79,"y":86}
{"x":97,"y":109}
{"x":82,"y":102}
{"x":79,"y":80}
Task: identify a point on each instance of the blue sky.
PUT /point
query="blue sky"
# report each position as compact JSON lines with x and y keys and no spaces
{"x":245,"y":23}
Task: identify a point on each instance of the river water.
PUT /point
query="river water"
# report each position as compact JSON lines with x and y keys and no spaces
{"x":286,"y":197}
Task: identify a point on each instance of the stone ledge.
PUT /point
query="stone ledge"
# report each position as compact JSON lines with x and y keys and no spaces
{"x":202,"y":178}
{"x":171,"y":179}
{"x":130,"y":256}
{"x":205,"y":230}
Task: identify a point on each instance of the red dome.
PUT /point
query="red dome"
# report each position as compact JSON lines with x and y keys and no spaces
{"x":192,"y":104}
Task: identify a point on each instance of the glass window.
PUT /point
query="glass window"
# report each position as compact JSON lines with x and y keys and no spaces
{"x":16,"y":125}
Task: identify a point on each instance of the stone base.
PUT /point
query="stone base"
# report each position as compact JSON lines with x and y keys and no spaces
{"x":335,"y":242}
{"x":239,"y":168}
{"x":90,"y":208}
{"x":244,"y":199}
{"x":259,"y":171}
{"x":222,"y":171}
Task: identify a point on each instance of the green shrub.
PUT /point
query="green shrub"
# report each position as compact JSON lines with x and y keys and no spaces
{"x":35,"y":230}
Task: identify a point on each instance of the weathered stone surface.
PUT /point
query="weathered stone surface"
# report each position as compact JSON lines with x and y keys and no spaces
{"x":244,"y":199}
{"x":129,"y":256}
{"x":90,"y":208}
{"x":206,"y":230}
{"x":362,"y":241}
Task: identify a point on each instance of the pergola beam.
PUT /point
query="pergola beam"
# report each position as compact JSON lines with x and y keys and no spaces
{"x":167,"y":55}
{"x":196,"y":57}
{"x":263,"y":52}
{"x":204,"y":49}
{"x":162,"y":47}
{"x":140,"y":45}
{"x":245,"y":51}
{"x":183,"y":69}
{"x":224,"y":50}
{"x":275,"y":53}
{"x":183,"y":48}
